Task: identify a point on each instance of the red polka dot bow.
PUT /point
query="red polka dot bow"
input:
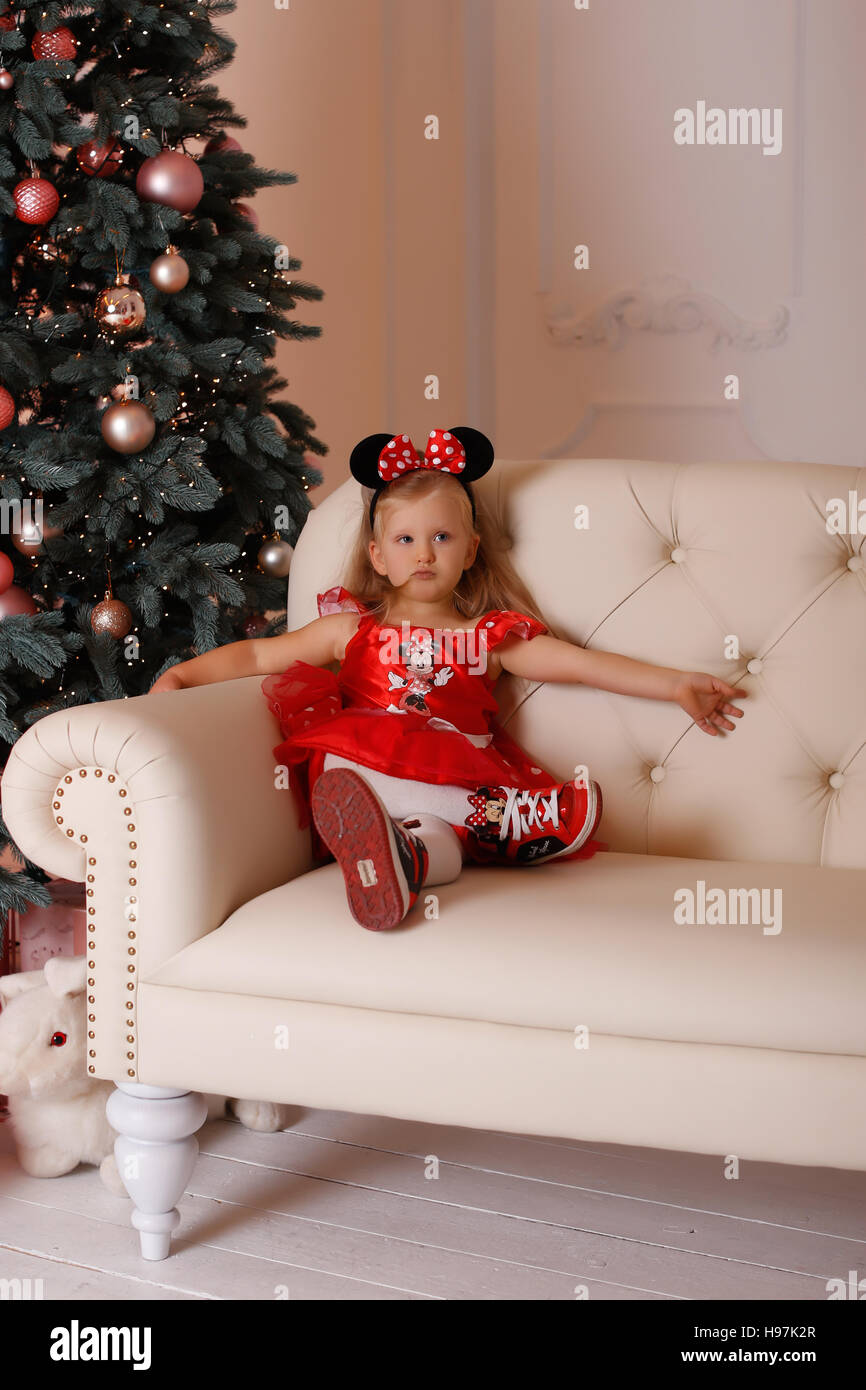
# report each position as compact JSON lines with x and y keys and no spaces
{"x":444,"y":451}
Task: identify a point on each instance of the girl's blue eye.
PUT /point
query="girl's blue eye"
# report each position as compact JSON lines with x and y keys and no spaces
{"x":408,"y":538}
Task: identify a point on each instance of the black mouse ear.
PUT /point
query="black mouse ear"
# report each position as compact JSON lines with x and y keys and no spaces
{"x":364,"y":459}
{"x":479,"y":452}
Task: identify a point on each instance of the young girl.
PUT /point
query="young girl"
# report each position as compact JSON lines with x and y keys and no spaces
{"x":399,"y":757}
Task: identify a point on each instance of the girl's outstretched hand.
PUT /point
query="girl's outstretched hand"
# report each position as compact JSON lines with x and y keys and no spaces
{"x":706,"y":698}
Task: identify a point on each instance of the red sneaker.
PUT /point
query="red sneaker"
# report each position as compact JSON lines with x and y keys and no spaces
{"x":383,"y":865}
{"x":532,"y":826}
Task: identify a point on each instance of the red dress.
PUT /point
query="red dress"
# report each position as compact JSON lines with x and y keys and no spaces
{"x":408,"y":701}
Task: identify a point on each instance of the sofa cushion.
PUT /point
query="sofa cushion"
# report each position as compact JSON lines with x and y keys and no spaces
{"x":594,"y":944}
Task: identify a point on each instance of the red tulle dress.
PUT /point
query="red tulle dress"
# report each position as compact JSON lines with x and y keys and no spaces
{"x":419,"y":708}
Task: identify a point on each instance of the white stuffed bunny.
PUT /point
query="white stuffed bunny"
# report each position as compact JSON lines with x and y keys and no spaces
{"x":57,"y":1110}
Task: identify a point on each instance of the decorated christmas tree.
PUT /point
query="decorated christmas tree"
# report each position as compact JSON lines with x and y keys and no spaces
{"x":152,"y":480}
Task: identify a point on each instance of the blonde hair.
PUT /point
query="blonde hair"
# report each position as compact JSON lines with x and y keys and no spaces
{"x":490,"y":582}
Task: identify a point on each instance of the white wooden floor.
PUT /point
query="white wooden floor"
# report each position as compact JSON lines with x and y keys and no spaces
{"x":338,"y":1207}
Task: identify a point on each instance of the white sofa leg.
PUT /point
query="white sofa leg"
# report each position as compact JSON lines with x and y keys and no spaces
{"x":155,"y":1152}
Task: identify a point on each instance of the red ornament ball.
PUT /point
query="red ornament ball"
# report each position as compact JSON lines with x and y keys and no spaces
{"x":7,"y":21}
{"x":59,"y":44}
{"x":171,"y":178}
{"x":36,"y":200}
{"x":249,"y":213}
{"x":219,"y":144}
{"x":7,"y":572}
{"x":7,"y":80}
{"x":100,"y":158}
{"x":7,"y":408}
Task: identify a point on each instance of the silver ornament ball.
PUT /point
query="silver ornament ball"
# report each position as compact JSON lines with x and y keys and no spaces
{"x":275,"y":558}
{"x":170,"y":271}
{"x":128,"y":426}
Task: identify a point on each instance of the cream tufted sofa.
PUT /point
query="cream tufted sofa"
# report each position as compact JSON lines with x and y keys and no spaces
{"x":569,"y":1000}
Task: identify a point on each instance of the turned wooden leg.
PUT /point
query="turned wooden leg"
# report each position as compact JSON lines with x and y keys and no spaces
{"x":155,"y":1152}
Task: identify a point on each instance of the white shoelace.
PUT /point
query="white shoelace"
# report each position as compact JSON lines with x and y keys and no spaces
{"x":521,"y":814}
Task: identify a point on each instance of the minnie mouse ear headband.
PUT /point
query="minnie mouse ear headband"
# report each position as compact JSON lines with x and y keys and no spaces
{"x":381,"y":459}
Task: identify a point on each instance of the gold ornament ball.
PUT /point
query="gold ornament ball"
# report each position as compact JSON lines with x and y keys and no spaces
{"x":111,"y":616}
{"x":170,"y":271}
{"x":120,"y":310}
{"x":128,"y":426}
{"x":275,"y":558}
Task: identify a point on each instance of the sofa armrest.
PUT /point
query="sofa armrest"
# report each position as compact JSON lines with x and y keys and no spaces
{"x":168,"y":806}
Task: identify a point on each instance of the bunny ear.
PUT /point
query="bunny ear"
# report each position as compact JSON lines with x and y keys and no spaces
{"x":66,"y":974}
{"x":364,"y":459}
{"x":479,"y":452}
{"x":12,"y":985}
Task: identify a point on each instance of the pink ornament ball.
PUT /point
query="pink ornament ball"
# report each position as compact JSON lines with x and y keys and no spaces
{"x":14,"y":601}
{"x":171,"y":178}
{"x":7,"y":572}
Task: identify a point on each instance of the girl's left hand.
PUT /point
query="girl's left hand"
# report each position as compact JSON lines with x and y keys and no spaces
{"x":706,"y":698}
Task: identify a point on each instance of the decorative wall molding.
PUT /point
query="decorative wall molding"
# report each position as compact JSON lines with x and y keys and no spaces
{"x":667,"y":304}
{"x":729,"y":417}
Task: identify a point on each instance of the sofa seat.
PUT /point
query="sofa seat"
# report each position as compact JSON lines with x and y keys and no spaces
{"x":592,"y":944}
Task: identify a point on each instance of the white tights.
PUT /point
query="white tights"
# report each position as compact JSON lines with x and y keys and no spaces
{"x":436,"y":807}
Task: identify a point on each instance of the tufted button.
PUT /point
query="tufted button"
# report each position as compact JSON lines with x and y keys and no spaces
{"x":755,"y":666}
{"x":856,"y":562}
{"x":678,"y":555}
{"x":657,"y":773}
{"x":836,"y":780}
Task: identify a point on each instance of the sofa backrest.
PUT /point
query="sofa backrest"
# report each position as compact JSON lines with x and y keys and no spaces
{"x":730,"y":568}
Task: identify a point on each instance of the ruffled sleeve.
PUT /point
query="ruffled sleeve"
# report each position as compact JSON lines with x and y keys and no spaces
{"x":502,"y":623}
{"x":338,"y":600}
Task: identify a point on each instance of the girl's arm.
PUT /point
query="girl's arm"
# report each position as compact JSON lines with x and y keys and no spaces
{"x":705,"y":698}
{"x":548,"y":659}
{"x":318,"y":644}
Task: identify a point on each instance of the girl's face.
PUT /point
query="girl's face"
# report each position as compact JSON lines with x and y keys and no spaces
{"x":425,"y":535}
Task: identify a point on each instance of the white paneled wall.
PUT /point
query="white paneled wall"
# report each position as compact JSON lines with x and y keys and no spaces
{"x":452,"y":258}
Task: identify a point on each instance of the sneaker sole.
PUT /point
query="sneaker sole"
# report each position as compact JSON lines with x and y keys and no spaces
{"x":357,"y":830}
